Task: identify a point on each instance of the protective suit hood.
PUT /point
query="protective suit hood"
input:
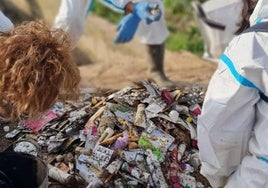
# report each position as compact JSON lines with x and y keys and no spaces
{"x":260,"y":12}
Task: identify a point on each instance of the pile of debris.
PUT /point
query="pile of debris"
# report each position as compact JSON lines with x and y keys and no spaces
{"x":140,"y":136}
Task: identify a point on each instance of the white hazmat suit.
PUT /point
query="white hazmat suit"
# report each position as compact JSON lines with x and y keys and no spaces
{"x":5,"y":24}
{"x":72,"y":18}
{"x":233,"y":126}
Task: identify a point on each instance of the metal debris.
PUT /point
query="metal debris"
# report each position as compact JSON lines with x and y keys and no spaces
{"x":139,"y":136}
{"x":26,"y":147}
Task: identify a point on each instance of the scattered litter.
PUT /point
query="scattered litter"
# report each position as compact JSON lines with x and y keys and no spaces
{"x":6,"y":128}
{"x":140,"y":136}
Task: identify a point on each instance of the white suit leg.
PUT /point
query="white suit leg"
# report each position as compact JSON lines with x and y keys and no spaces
{"x":72,"y":17}
{"x":252,"y":173}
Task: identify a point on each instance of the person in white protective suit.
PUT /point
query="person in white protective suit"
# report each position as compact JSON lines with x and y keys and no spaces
{"x":233,"y":125}
{"x":216,"y":27}
{"x":150,"y":29}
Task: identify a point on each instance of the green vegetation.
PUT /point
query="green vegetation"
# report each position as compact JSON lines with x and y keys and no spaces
{"x":184,"y":32}
{"x":106,"y":13}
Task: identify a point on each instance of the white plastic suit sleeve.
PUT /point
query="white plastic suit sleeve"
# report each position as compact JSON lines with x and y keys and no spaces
{"x":222,"y":135}
{"x":118,"y":5}
{"x":72,"y":17}
{"x":115,"y":5}
{"x":5,"y":24}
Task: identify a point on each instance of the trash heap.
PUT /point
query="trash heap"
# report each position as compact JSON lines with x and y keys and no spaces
{"x":139,"y":136}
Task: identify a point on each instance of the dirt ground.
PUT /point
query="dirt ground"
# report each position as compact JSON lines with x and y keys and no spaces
{"x":104,"y":64}
{"x":115,"y":66}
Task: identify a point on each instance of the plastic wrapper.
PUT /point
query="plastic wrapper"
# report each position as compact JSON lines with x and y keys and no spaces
{"x":140,"y":136}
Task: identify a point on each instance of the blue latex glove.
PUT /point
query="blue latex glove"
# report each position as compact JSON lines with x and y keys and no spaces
{"x":127,"y":28}
{"x":147,"y":11}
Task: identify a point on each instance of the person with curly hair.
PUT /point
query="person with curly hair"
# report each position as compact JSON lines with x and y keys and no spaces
{"x":36,"y":69}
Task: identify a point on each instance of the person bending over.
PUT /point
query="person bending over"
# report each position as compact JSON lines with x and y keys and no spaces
{"x":36,"y":69}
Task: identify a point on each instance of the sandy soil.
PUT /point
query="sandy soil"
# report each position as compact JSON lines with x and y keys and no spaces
{"x":104,"y":64}
{"x":114,"y":66}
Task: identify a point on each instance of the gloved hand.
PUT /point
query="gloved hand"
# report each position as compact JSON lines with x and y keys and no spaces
{"x":147,"y":11}
{"x":127,"y":28}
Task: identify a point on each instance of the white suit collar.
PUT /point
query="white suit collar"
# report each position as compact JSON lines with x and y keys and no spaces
{"x":260,"y":12}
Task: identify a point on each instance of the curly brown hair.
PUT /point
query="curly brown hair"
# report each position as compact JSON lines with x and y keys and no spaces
{"x":36,"y":69}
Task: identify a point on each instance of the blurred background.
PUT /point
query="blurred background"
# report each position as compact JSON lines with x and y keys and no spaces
{"x":107,"y":65}
{"x":184,"y":34}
